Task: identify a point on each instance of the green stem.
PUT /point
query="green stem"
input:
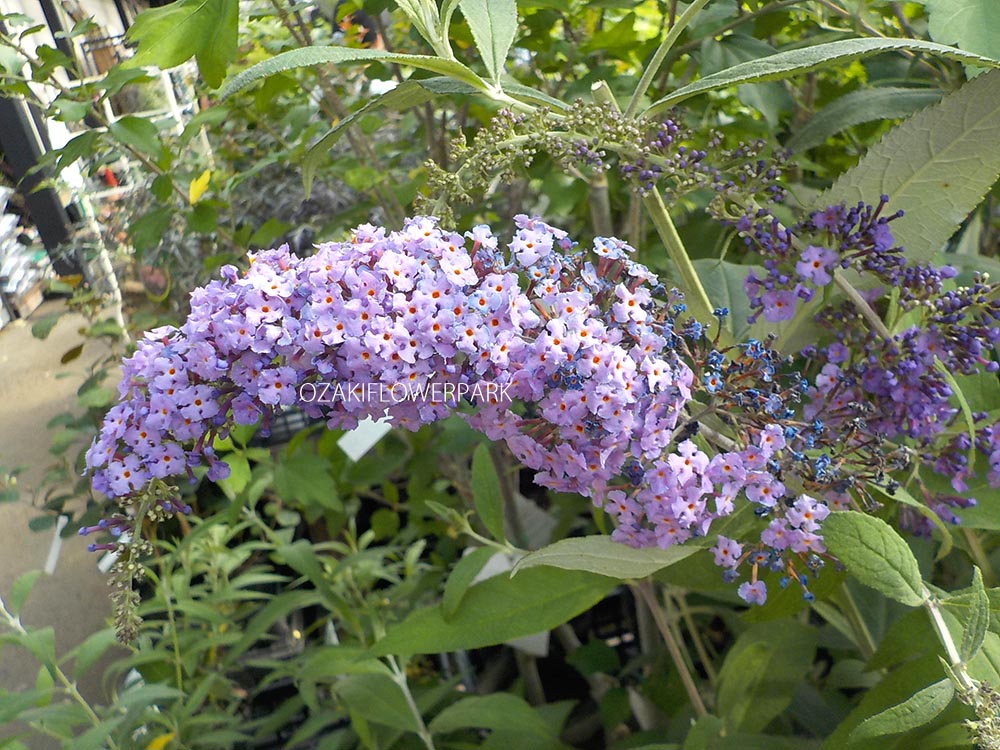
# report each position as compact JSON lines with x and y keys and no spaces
{"x":661,"y":52}
{"x":399,"y":677}
{"x":862,"y":635}
{"x":645,"y":590}
{"x":965,"y":682}
{"x":695,"y":296}
{"x":15,"y":624}
{"x":862,"y":305}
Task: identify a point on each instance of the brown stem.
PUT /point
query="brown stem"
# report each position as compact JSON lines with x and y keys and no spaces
{"x":644,"y":589}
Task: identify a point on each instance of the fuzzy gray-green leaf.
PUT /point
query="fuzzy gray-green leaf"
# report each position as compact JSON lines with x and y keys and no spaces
{"x":493,"y":24}
{"x":935,"y":166}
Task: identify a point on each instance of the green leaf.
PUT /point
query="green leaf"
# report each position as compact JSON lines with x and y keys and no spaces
{"x":71,"y":354}
{"x":405,"y":95}
{"x":328,"y":662}
{"x":86,"y":654}
{"x":304,"y":477}
{"x":203,"y":218}
{"x":20,"y":589}
{"x":857,"y":107}
{"x":378,"y":699}
{"x":599,"y":554}
{"x":42,"y":327}
{"x":320,"y":55}
{"x":496,"y":711}
{"x":761,"y":671}
{"x":461,"y":577}
{"x":973,"y":25}
{"x":936,"y":166}
{"x":723,"y":283}
{"x":493,"y":24}
{"x":979,"y":617}
{"x":903,"y":496}
{"x":239,"y":474}
{"x":76,"y":148}
{"x":147,"y":231}
{"x":914,"y":712}
{"x":786,"y":64}
{"x":875,"y":554}
{"x":498,"y":610}
{"x":486,"y":492}
{"x":204,"y":29}
{"x":139,"y":133}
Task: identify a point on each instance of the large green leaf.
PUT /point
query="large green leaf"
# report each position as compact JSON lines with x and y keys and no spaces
{"x":786,"y":64}
{"x":761,"y":672}
{"x":320,"y":55}
{"x":496,"y":711}
{"x":598,"y":554}
{"x":204,"y":29}
{"x":865,"y":105}
{"x":875,"y":554}
{"x":493,"y":24}
{"x":498,"y":610}
{"x":921,"y":708}
{"x":936,"y":166}
{"x":377,"y":698}
{"x":973,"y":25}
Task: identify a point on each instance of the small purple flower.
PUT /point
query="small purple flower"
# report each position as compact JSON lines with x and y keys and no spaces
{"x":753,"y":593}
{"x":778,"y":305}
{"x":815,"y":265}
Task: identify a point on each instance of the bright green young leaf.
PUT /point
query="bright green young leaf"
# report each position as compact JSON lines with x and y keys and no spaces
{"x":973,"y":25}
{"x":405,"y":95}
{"x":935,"y":166}
{"x":204,"y":29}
{"x":139,"y":133}
{"x":865,"y":105}
{"x":320,"y":55}
{"x":979,"y":617}
{"x":493,"y":24}
{"x":496,"y":711}
{"x":875,"y":554}
{"x":922,"y":708}
{"x":461,"y":577}
{"x":792,"y":62}
{"x":486,"y":492}
{"x":761,"y":672}
{"x":498,"y":610}
{"x":598,"y":554}
{"x":378,"y":699}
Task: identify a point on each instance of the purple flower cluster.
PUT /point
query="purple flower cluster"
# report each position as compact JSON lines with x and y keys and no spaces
{"x":597,"y":370}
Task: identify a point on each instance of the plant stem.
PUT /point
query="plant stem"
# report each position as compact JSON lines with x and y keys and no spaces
{"x":661,"y":52}
{"x":699,"y":646}
{"x":694,"y":293}
{"x":862,"y":305}
{"x":965,"y":682}
{"x":399,"y":677}
{"x":14,"y":623}
{"x":645,"y":590}
{"x":862,"y":635}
